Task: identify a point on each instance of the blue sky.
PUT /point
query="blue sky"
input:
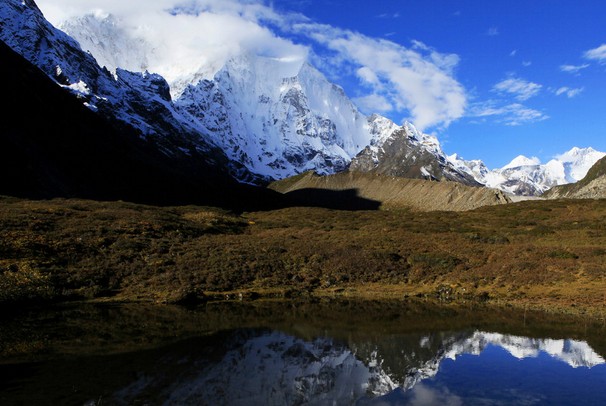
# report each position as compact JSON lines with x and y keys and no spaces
{"x":493,"y":79}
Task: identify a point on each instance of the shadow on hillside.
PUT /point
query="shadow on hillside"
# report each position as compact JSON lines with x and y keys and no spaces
{"x":347,"y":199}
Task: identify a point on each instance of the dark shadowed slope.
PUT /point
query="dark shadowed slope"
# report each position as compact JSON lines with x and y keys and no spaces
{"x":52,"y":145}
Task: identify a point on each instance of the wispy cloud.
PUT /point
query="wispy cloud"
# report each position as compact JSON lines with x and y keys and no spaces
{"x":492,"y":31}
{"x":513,"y":53}
{"x":387,"y":15}
{"x":368,"y":76}
{"x":418,"y":82}
{"x":521,"y":89}
{"x":373,"y":103}
{"x":569,"y":92}
{"x":574,"y":69}
{"x":597,"y":54}
{"x":526,"y":63}
{"x":514,"y":114}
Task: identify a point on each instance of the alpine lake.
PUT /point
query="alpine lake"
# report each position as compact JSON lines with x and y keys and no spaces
{"x":315,"y":352}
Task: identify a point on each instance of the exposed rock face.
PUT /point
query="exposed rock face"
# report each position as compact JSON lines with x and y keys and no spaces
{"x":592,"y":186}
{"x":408,"y":153}
{"x":391,"y":191}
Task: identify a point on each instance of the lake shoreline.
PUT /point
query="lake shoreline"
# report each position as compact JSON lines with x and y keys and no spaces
{"x":433,"y":295}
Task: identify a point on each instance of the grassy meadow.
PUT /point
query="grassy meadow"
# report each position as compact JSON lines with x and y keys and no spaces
{"x":540,"y":254}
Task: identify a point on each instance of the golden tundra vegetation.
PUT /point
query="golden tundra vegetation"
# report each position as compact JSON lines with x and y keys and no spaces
{"x":540,"y":254}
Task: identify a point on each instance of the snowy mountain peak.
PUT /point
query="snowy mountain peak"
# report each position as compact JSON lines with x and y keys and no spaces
{"x":522,"y":160}
{"x":277,"y":117}
{"x":577,"y":162}
{"x":575,"y":152}
{"x":407,"y":152}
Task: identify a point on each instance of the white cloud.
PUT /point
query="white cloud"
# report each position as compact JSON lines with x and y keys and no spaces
{"x":520,"y":88}
{"x":597,"y":54}
{"x":492,"y":31}
{"x":513,"y":53}
{"x":420,"y":80}
{"x":368,"y":76}
{"x":422,"y":395}
{"x":526,"y":63}
{"x":386,"y":15}
{"x":191,"y":37}
{"x":570,"y":93}
{"x":373,"y":103}
{"x":574,"y":69}
{"x":514,"y":114}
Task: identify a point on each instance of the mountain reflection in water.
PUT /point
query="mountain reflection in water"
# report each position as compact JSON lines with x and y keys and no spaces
{"x":279,"y":360}
{"x":273,"y":368}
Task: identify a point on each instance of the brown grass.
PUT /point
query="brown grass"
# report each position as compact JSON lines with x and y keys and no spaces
{"x":549,"y":254}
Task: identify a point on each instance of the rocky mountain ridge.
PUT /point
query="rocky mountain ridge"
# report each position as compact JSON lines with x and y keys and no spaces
{"x":60,"y":142}
{"x":408,"y":153}
{"x":139,"y":99}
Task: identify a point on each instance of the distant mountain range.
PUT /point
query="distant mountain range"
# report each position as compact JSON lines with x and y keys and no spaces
{"x":256,"y":119}
{"x":592,"y":186}
{"x":528,"y":177}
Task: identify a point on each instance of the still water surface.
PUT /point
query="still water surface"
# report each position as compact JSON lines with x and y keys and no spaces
{"x":284,"y":353}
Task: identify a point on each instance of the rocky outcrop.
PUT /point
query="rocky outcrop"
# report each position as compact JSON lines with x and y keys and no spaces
{"x":408,"y":153}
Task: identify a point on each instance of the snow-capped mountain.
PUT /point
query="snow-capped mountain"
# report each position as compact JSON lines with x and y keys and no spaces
{"x":574,"y":353}
{"x":277,"y":118}
{"x":527,"y":176}
{"x":592,"y":186}
{"x":252,"y":367}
